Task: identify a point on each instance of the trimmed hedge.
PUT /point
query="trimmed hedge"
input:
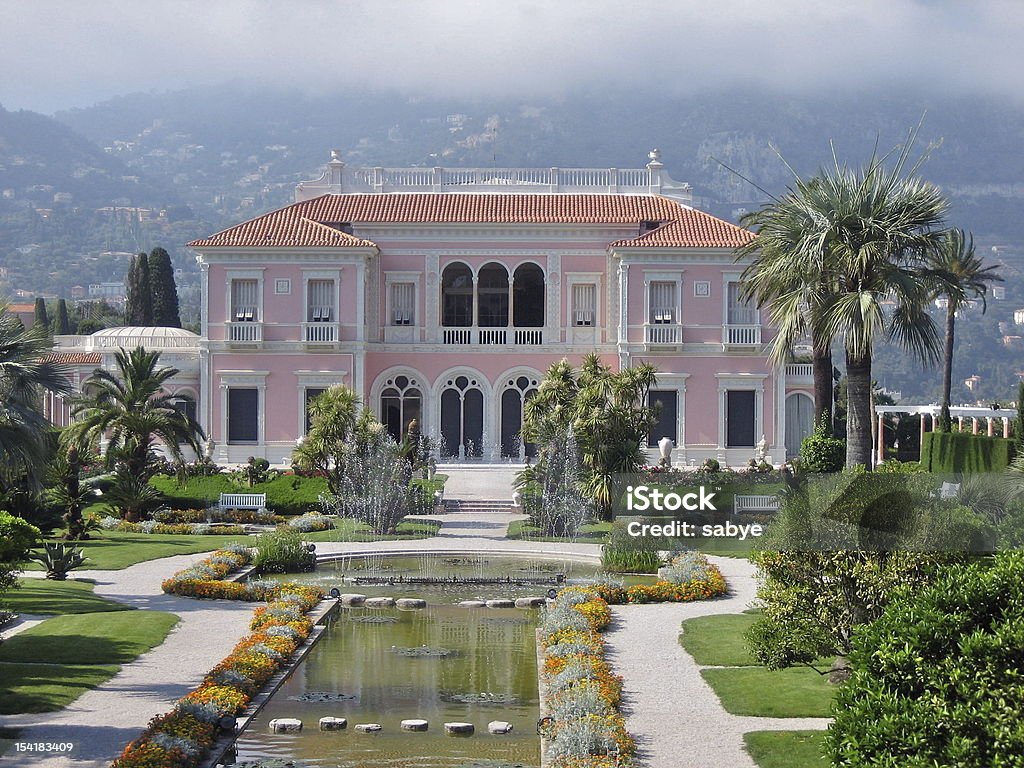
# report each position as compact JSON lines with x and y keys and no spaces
{"x":937,"y":679}
{"x":286,"y":494}
{"x":960,"y":452}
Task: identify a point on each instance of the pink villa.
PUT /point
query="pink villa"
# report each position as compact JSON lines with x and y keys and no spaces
{"x":445,"y":294}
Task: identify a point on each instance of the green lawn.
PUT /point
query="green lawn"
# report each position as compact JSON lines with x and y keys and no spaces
{"x":46,"y":687}
{"x":761,"y":692}
{"x":787,"y":749}
{"x":349,"y":530}
{"x":593,"y":533}
{"x":89,"y":638}
{"x":113,"y":550}
{"x":58,"y":597}
{"x":717,"y":641}
{"x":724,"y":547}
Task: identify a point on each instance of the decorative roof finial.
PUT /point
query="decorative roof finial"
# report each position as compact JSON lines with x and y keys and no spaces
{"x":336,"y":156}
{"x":655,"y":155}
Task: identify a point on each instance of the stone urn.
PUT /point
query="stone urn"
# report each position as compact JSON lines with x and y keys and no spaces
{"x":517,"y":498}
{"x":665,"y":446}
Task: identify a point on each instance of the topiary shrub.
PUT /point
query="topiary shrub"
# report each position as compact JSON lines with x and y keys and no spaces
{"x":937,"y":679}
{"x":820,"y":451}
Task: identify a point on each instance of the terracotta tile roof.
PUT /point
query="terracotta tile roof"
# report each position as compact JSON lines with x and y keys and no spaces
{"x":691,"y":229}
{"x":314,"y":223}
{"x":74,"y":358}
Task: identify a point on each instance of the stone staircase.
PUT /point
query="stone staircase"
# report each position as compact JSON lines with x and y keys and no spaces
{"x":478,"y":506}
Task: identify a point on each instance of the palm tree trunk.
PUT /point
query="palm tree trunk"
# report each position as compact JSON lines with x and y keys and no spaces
{"x":821,"y":362}
{"x":947,"y":365}
{"x":858,"y":410}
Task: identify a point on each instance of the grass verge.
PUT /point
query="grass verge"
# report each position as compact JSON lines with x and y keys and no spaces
{"x":89,"y":638}
{"x":29,"y":688}
{"x":45,"y":596}
{"x":787,"y":749}
{"x":717,"y":641}
{"x":761,"y":692}
{"x":593,"y":533}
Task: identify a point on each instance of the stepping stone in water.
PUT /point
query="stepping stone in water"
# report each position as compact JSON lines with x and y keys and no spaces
{"x":285,"y":724}
{"x":501,"y":603}
{"x":333,"y":723}
{"x":459,"y":729}
{"x":530,"y":602}
{"x":379,"y":602}
{"x":499,"y":726}
{"x":352,"y":599}
{"x":368,"y":727}
{"x":410,"y":602}
{"x":414,"y":725}
{"x":472,"y":603}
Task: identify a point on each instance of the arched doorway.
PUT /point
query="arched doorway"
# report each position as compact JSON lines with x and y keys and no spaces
{"x":492,"y":296}
{"x":401,"y":401}
{"x":799,"y":421}
{"x":462,"y":418}
{"x":518,"y":389}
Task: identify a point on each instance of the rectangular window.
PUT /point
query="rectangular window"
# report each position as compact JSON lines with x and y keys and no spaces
{"x":740,"y":312}
{"x":584,"y":304}
{"x":243,"y":415}
{"x":663,"y":303}
{"x":320,"y":301}
{"x":245,"y":300}
{"x":739,"y":418}
{"x":403,"y":297}
{"x":311,"y":393}
{"x":187,"y":407}
{"x":665,"y":405}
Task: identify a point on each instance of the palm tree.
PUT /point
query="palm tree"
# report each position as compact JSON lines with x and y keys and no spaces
{"x":878,"y":228}
{"x":960,"y":275}
{"x":132,"y":411}
{"x":24,"y":376}
{"x":789,"y":280}
{"x":334,"y":415}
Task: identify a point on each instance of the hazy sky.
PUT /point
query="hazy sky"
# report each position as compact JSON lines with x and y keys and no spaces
{"x":75,"y":52}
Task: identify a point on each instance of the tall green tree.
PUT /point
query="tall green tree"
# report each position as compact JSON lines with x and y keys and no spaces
{"x":63,"y":322}
{"x":788,"y":278}
{"x":608,"y":414}
{"x":960,"y":275}
{"x":163,"y":291}
{"x":333,"y":416}
{"x":138,"y":301}
{"x":41,"y":319}
{"x":24,"y":377}
{"x":131,"y":409}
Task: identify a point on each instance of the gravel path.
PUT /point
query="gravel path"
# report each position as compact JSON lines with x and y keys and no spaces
{"x":674,"y":715}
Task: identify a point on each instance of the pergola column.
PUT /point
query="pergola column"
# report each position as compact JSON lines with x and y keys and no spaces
{"x":974,"y":425}
{"x":920,"y":441}
{"x":881,"y":438}
{"x":991,"y":426}
{"x":1006,"y":428}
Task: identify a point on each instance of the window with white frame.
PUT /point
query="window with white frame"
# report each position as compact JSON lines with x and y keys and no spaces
{"x":584,"y":304}
{"x":244,"y":300}
{"x":663,"y":304}
{"x":740,"y":311}
{"x":320,"y":301}
{"x":403,"y":298}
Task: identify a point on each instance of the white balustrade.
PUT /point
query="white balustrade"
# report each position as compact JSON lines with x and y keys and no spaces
{"x":457,"y":335}
{"x":492,"y":336}
{"x":245,"y":333}
{"x":529,"y":336}
{"x":741,"y":335}
{"x":799,"y":371}
{"x":663,"y":334}
{"x":320,"y":333}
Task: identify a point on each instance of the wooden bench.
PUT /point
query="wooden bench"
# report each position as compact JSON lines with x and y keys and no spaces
{"x":755,"y":503}
{"x":257,"y":501}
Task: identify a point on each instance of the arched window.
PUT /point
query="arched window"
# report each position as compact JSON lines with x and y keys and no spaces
{"x":462,"y":418}
{"x":528,"y":297}
{"x":518,"y":390}
{"x":492,"y":296}
{"x":401,"y":401}
{"x":799,"y":421}
{"x":457,"y":296}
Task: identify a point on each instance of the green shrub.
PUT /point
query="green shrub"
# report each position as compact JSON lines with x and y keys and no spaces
{"x":820,"y":451}
{"x":286,"y":494}
{"x":283,"y":551}
{"x":630,"y":554}
{"x":963,"y":453}
{"x":937,"y":679}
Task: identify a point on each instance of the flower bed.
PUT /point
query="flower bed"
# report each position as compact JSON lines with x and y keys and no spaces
{"x":689,"y":576}
{"x":218,"y":515}
{"x":176,"y":529}
{"x":181,"y":737}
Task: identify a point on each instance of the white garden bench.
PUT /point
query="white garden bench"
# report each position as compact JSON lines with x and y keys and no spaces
{"x":755,"y":503}
{"x":257,"y":501}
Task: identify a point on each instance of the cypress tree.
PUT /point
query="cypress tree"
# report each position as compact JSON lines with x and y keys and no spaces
{"x":63,"y":321}
{"x":138,"y":302}
{"x":162,"y":290}
{"x":41,"y":318}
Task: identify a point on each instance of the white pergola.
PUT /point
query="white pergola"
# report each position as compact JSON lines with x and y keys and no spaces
{"x":962,"y":413}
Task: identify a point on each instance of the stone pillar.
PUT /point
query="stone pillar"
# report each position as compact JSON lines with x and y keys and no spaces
{"x":974,"y":425}
{"x":960,"y":423}
{"x":920,"y":441}
{"x":991,"y":426}
{"x":1006,"y":428}
{"x":881,"y":438}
